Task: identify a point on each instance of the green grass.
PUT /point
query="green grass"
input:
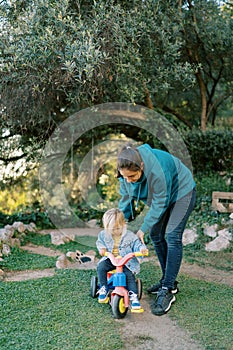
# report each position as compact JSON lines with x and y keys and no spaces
{"x":205,"y":309}
{"x":23,"y":260}
{"x":82,"y":243}
{"x":221,"y":260}
{"x":58,"y":313}
{"x":55,"y":313}
{"x":202,"y":308}
{"x":20,"y":260}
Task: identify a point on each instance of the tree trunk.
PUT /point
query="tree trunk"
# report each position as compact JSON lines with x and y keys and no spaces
{"x":148,"y":101}
{"x":203,"y":100}
{"x":178,"y":115}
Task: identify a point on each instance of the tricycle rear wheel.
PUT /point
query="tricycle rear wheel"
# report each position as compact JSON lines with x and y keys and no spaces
{"x":118,"y":307}
{"x":94,"y":287}
{"x":139,"y":287}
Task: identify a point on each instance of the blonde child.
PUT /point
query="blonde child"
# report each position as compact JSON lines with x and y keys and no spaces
{"x":115,"y":238}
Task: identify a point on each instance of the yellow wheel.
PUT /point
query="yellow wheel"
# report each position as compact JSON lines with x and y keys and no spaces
{"x":121,"y":305}
{"x":118,"y":307}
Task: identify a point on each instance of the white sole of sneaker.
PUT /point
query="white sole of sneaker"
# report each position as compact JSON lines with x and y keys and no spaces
{"x":173,"y":291}
{"x":171,"y":301}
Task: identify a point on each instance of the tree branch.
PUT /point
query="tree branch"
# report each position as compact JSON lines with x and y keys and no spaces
{"x":178,"y":115}
{"x":12,"y":159}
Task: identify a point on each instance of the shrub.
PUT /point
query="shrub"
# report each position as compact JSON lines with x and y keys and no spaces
{"x":210,"y":150}
{"x":40,"y":218}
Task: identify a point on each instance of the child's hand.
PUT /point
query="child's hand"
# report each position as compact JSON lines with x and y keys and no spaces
{"x":144,"y":251}
{"x":102,"y":251}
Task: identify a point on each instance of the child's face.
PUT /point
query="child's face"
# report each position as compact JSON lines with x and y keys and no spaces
{"x":114,"y":222}
{"x":117,"y":230}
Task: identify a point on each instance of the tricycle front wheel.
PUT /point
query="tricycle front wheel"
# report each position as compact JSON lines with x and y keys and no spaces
{"x":118,"y":307}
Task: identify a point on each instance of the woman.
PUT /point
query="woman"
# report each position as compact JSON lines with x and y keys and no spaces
{"x":167,"y":186}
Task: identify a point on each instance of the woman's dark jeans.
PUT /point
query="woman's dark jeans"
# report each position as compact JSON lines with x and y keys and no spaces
{"x":166,"y":236}
{"x":104,"y":266}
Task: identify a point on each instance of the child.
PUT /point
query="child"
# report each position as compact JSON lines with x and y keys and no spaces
{"x":115,"y":238}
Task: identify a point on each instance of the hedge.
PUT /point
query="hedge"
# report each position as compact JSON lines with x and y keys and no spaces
{"x":211,"y":150}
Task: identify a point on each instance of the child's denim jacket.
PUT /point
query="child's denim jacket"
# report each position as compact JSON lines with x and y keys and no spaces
{"x":129,"y":243}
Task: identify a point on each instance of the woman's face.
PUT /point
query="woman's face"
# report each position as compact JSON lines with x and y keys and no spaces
{"x":130,"y":175}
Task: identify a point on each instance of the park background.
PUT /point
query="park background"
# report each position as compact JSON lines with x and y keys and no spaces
{"x":59,"y":58}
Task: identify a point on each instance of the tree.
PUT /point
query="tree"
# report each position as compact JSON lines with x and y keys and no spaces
{"x":207,"y":35}
{"x":58,"y":57}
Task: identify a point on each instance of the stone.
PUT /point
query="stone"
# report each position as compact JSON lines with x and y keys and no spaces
{"x":6,"y":250}
{"x":71,"y":255}
{"x":62,"y":262}
{"x":14,"y":242}
{"x":19,"y":226}
{"x":92,"y":223}
{"x":219,"y":243}
{"x":31,"y":227}
{"x":10,"y":228}
{"x":5,"y":235}
{"x":211,"y":231}
{"x":225,"y":233}
{"x":189,"y":236}
{"x":57,"y":238}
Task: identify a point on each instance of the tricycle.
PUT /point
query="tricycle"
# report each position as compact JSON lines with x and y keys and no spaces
{"x":118,"y":293}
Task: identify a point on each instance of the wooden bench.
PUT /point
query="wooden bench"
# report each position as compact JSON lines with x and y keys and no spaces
{"x":222,"y":202}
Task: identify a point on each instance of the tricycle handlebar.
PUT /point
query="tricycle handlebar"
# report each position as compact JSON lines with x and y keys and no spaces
{"x":141,"y":254}
{"x":119,"y":261}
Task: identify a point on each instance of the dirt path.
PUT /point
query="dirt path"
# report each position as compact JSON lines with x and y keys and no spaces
{"x":139,"y":331}
{"x":149,"y":332}
{"x":207,"y":274}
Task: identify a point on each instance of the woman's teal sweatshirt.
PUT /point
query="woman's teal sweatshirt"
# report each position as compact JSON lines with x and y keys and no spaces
{"x":165,"y":179}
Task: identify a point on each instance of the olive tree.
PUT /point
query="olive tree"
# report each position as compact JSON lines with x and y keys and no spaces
{"x":61,"y":56}
{"x":206,"y":29}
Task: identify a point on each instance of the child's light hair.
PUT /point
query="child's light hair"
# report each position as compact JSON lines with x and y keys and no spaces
{"x":113,"y":218}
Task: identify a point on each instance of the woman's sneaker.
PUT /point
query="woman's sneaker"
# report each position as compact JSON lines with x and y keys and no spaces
{"x":103,"y":295}
{"x":163,"y":302}
{"x":156,"y":287}
{"x":134,"y":302}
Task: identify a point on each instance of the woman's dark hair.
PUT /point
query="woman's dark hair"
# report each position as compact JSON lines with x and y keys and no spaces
{"x":128,"y":158}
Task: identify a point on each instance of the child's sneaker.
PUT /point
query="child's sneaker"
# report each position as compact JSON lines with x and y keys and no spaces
{"x":103,"y":295}
{"x":134,"y":302}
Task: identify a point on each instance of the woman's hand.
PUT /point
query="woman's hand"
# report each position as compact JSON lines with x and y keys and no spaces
{"x":102,"y":251}
{"x":140,"y":235}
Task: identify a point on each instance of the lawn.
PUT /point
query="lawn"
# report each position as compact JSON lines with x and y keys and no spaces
{"x":55,"y":313}
{"x":58,"y":313}
{"x":202,"y":308}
